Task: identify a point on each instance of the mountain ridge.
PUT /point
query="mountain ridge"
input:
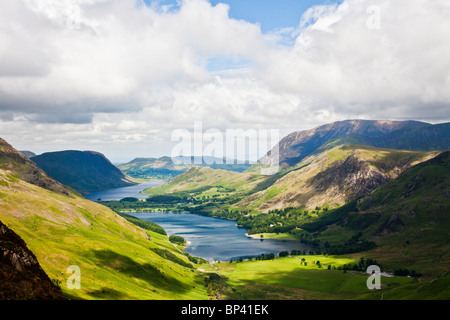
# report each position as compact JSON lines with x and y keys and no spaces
{"x":408,"y":135}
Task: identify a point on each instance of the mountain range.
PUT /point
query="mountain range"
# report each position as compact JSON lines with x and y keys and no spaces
{"x":167,"y":168}
{"x":325,"y":167}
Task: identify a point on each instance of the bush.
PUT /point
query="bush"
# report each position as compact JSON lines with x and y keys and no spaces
{"x":147,"y":225}
{"x":129,"y":199}
{"x":177,"y":240}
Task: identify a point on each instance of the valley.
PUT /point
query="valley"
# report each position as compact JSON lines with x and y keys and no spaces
{"x":308,"y":232}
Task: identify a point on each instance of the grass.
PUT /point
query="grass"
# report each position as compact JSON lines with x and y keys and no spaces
{"x":115,"y":256}
{"x":278,"y":236}
{"x":288,"y":278}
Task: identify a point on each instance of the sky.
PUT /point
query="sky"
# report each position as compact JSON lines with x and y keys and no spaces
{"x":121,"y":76}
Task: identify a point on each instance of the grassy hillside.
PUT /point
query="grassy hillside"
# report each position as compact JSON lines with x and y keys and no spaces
{"x":85,"y":171}
{"x":201,"y":182}
{"x":407,"y":217}
{"x":118,"y":260}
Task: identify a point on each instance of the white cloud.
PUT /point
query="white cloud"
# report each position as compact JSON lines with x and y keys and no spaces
{"x":104,"y":73}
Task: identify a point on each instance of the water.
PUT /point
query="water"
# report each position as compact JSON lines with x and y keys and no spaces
{"x":120,"y":193}
{"x":217,"y":239}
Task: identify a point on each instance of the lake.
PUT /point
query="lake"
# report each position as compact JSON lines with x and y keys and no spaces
{"x":217,"y":239}
{"x":120,"y":193}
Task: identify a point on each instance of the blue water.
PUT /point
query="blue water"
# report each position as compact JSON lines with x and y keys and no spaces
{"x":217,"y":239}
{"x":120,"y":193}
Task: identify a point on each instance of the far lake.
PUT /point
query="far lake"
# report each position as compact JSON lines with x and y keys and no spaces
{"x":217,"y":239}
{"x":120,"y":193}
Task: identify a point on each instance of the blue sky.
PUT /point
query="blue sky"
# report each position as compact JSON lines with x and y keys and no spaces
{"x":270,"y":14}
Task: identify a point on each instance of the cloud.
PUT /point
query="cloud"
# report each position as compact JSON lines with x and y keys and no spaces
{"x":111,"y":72}
{"x":339,"y":59}
{"x":109,"y":52}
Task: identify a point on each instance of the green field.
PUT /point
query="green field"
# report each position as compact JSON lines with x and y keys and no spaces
{"x":288,"y":278}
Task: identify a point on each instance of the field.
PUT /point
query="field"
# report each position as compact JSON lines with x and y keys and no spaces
{"x":289,"y":278}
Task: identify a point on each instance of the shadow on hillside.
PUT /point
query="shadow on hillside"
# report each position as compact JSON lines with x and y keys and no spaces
{"x":124,"y":265}
{"x":108,"y":293}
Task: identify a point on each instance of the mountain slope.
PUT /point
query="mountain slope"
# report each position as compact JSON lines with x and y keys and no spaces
{"x":22,"y":168}
{"x":408,"y":135}
{"x":118,"y":260}
{"x":85,"y":171}
{"x":408,"y":217}
{"x":21,"y":276}
{"x":334,"y":177}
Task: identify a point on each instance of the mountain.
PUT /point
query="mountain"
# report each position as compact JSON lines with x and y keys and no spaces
{"x":408,"y":218}
{"x":405,"y":135}
{"x":167,"y":168}
{"x":334,"y":177}
{"x":20,"y":167}
{"x":28,"y":154}
{"x":21,"y":276}
{"x":117,"y":259}
{"x":85,"y":171}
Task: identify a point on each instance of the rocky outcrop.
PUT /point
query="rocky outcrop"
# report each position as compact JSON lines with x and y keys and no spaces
{"x":351,"y":177}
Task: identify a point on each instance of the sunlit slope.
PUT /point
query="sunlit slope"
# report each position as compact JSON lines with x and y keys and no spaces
{"x":333,"y":177}
{"x":198,"y":180}
{"x":115,"y":256}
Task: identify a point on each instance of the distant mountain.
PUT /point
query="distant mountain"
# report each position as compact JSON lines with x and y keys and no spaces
{"x":21,"y":276}
{"x":404,"y":135}
{"x":28,"y":154}
{"x":85,"y":171}
{"x":24,"y":169}
{"x":167,"y":168}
